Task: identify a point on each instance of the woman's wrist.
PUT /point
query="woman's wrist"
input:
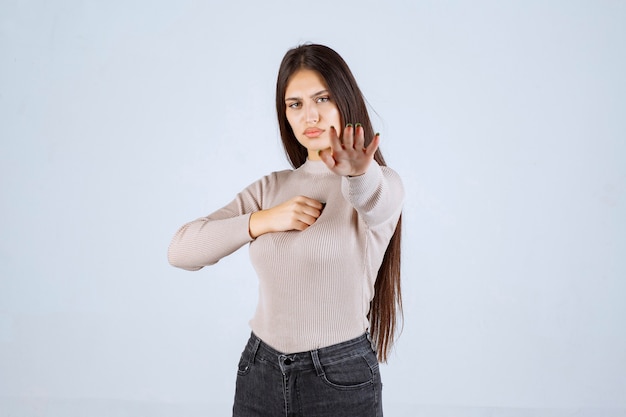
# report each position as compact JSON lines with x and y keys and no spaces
{"x":255,"y":224}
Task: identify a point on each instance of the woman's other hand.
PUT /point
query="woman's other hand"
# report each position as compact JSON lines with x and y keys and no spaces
{"x":297,"y":213}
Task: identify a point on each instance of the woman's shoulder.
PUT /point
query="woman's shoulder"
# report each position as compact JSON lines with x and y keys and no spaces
{"x":280,"y":175}
{"x":272,"y":178}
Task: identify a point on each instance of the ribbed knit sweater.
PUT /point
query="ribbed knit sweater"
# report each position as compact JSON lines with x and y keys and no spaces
{"x":315,"y":286}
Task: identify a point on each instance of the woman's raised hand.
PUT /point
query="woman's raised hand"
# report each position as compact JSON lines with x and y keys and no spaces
{"x":297,"y":213}
{"x":348,"y":155}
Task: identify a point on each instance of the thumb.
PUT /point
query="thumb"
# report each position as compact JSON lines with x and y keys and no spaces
{"x":326,"y":155}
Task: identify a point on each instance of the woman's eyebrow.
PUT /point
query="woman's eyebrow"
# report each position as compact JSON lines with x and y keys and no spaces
{"x":320,"y":93}
{"x":313,"y":95}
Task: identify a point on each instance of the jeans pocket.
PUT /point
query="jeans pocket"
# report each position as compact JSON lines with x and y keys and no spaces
{"x":352,"y":373}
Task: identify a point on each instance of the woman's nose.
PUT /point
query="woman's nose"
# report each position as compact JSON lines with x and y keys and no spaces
{"x":312,"y":116}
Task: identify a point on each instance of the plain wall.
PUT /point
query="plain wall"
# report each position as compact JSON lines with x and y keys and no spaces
{"x":120,"y":121}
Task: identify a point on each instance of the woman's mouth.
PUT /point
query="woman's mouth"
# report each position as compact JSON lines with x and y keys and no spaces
{"x":313,"y":132}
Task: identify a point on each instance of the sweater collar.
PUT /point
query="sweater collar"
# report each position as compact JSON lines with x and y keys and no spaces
{"x":315,"y":168}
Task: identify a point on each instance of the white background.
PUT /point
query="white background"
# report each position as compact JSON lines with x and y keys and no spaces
{"x":122,"y":120}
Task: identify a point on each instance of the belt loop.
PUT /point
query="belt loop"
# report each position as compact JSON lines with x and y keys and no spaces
{"x":316,"y":362}
{"x":369,"y":339}
{"x":255,"y":348}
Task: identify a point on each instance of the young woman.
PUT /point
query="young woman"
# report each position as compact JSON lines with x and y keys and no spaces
{"x":325,"y":242}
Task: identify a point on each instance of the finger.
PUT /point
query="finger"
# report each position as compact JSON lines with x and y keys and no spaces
{"x":326,"y":156}
{"x":373,"y":146}
{"x":306,"y":220}
{"x":311,"y":202}
{"x":359,"y":137}
{"x":311,"y":211}
{"x":347,"y":138}
{"x":318,"y":205}
{"x":300,"y":226}
{"x":335,"y":141}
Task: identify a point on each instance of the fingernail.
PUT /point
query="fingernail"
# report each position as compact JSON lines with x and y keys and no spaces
{"x":377,"y":134}
{"x":348,"y":125}
{"x":358,"y":125}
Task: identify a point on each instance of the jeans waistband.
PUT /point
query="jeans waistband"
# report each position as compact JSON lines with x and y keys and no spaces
{"x":317,"y":358}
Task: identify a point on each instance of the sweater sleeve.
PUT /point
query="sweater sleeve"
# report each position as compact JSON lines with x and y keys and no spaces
{"x":377,"y":195}
{"x":205,"y":241}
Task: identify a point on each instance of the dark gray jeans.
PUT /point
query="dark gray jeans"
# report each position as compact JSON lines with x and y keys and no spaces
{"x":339,"y":380}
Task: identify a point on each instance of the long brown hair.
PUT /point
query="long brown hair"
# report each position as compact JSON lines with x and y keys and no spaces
{"x":386,"y":306}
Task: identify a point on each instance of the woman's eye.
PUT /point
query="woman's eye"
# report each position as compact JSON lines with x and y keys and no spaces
{"x":294,"y":105}
{"x":323,"y":99}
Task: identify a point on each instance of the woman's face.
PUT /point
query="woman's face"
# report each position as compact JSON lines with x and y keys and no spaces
{"x":311,"y":111}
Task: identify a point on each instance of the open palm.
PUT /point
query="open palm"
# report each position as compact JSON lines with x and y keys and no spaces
{"x":348,"y":155}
